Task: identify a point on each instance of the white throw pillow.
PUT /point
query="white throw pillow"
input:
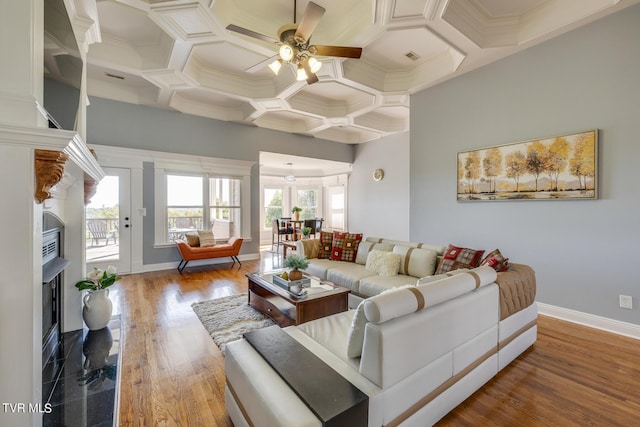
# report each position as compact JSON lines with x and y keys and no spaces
{"x":374,"y":259}
{"x":383,"y":263}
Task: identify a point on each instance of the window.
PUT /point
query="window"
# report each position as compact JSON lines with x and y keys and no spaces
{"x":225,"y":211}
{"x":272,"y":199}
{"x":185,"y":205}
{"x":336,"y":207}
{"x":188,"y":200}
{"x":308,"y":201}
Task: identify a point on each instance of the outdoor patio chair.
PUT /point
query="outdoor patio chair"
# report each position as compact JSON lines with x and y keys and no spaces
{"x":98,"y":230}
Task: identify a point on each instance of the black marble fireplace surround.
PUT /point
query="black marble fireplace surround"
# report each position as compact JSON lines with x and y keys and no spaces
{"x":80,"y":381}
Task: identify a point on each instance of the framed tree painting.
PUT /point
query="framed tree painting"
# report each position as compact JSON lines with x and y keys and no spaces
{"x":558,"y":168}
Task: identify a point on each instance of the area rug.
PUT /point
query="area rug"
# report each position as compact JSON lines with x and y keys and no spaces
{"x":227,"y":318}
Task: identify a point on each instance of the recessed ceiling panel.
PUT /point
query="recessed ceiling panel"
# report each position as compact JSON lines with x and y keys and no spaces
{"x":209,"y":57}
{"x":501,"y":8}
{"x":126,"y":23}
{"x":398,"y":50}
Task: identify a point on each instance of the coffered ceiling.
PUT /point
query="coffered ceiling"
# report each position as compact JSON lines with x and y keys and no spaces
{"x":177,"y":54}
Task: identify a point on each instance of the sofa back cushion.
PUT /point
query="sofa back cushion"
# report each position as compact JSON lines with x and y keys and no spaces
{"x":416,"y":262}
{"x":365,"y":247}
{"x":388,"y":306}
{"x":355,"y":338}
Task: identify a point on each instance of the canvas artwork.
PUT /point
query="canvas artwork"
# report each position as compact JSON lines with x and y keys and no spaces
{"x":562,"y":167}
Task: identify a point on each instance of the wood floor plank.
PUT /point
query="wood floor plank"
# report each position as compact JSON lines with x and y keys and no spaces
{"x":173,"y":373}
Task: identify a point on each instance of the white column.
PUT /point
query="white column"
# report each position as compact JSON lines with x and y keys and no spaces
{"x":21,"y":71}
{"x":21,"y":287}
{"x":21,"y":82}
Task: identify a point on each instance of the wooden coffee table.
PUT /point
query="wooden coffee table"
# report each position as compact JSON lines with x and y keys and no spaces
{"x":322,"y":299}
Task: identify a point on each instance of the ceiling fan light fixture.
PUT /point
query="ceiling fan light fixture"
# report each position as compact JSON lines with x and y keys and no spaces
{"x":301,"y":75}
{"x":275,"y":66}
{"x":286,"y":52}
{"x":314,"y":65}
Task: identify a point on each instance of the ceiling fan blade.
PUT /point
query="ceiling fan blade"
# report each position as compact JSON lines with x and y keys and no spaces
{"x":250,"y":33}
{"x":308,"y":23}
{"x":260,"y":65}
{"x":311,"y":76}
{"x":341,"y":51}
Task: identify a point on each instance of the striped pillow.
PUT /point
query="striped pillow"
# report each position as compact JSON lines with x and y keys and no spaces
{"x":416,"y":262}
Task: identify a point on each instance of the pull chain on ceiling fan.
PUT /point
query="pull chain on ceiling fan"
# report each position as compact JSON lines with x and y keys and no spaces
{"x":294,"y":45}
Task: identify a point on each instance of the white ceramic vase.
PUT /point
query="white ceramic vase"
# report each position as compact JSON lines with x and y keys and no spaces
{"x":97,"y":309}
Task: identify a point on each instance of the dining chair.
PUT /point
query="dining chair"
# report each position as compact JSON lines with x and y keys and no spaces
{"x":278,"y":229}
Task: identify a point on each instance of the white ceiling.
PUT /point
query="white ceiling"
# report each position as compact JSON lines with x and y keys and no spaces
{"x":177,"y":54}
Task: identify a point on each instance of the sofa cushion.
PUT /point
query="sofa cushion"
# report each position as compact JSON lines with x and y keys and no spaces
{"x":496,"y":260}
{"x":434,"y":277}
{"x":383,"y":263}
{"x":320,"y":267}
{"x":374,"y":285}
{"x":456,"y":257}
{"x":206,"y":238}
{"x":348,"y":274}
{"x":326,"y":241}
{"x":192,"y":239}
{"x":345,"y":246}
{"x":416,"y":262}
{"x":386,"y":306}
{"x":365,"y":247}
{"x":355,"y":338}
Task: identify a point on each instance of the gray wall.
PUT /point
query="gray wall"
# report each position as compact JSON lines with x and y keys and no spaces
{"x":381,"y":208}
{"x":584,"y":252}
{"x":133,"y":126}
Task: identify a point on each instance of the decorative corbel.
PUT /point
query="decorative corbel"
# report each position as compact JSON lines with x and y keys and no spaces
{"x":49,"y":169}
{"x":90,"y":188}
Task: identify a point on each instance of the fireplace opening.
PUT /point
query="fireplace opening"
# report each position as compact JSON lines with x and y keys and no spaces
{"x":53,"y":265}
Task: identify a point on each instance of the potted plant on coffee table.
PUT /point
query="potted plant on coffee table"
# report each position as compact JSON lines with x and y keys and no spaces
{"x":296,"y":263}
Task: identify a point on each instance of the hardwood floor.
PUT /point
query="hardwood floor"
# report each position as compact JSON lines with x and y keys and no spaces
{"x":173,"y":374}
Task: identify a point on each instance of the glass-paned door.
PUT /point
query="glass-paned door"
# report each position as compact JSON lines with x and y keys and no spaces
{"x":107,"y":217}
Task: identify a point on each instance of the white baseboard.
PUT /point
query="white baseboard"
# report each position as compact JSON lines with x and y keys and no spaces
{"x":174,"y":265}
{"x":610,"y":325}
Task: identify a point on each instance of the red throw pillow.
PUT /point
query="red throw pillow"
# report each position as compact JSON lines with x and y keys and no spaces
{"x":345,"y":246}
{"x":496,"y":260}
{"x":326,"y":240}
{"x":455,"y":258}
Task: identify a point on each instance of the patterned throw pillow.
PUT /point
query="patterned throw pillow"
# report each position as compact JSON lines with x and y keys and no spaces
{"x":455,"y":258}
{"x":496,"y":260}
{"x":345,"y":246}
{"x":206,"y":238}
{"x":326,"y":240}
{"x":193,"y":239}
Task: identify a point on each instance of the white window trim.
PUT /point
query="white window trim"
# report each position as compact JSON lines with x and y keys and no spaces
{"x":208,"y":166}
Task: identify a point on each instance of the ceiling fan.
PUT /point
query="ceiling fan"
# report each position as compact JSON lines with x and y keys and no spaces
{"x":294,"y":45}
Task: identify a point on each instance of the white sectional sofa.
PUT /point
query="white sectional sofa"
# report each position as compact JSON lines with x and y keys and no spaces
{"x":422,"y":351}
{"x":417,"y":260}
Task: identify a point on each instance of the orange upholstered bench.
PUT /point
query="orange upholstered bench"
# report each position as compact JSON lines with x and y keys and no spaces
{"x":191,"y":253}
